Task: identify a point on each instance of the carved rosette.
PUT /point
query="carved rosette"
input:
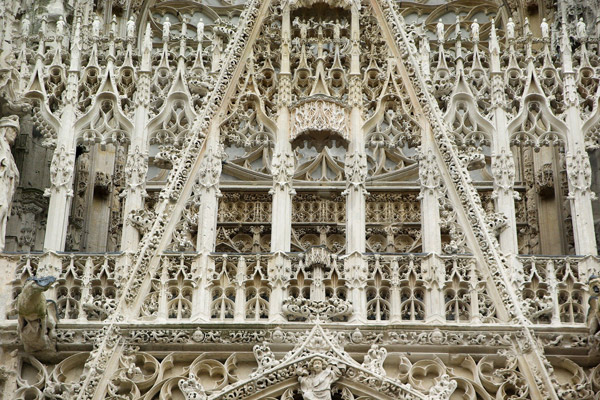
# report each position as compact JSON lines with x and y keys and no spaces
{"x":319,"y":114}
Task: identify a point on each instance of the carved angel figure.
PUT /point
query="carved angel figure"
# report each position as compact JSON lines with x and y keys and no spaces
{"x":315,"y":383}
{"x":9,"y":174}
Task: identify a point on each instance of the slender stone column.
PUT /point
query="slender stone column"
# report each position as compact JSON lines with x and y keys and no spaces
{"x":283,"y":163}
{"x":63,"y":161}
{"x":430,"y":180}
{"x":137,"y":158}
{"x":578,"y":163}
{"x":208,"y":186}
{"x":503,"y":166}
{"x":282,"y":168}
{"x":356,"y":173}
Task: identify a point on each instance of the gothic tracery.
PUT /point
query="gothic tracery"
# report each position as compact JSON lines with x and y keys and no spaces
{"x":287,"y":199}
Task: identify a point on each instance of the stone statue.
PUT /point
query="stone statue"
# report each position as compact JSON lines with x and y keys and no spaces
{"x":510,"y":29}
{"x":545,"y":29}
{"x":9,"y":174}
{"x":200,"y":30}
{"x":25,"y":26}
{"x":166,"y":29}
{"x":131,"y":28}
{"x":581,"y":29}
{"x":60,"y":28}
{"x":315,"y":383}
{"x":439,"y":28}
{"x":475,"y":31}
{"x":96,"y":27}
{"x":36,"y":324}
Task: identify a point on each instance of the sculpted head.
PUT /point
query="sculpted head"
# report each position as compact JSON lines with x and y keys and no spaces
{"x":9,"y":128}
{"x":317,"y":364}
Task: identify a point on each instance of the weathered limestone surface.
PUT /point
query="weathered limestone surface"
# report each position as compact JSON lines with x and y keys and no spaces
{"x":287,"y":199}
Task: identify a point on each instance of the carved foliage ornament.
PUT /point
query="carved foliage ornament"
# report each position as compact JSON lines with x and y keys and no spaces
{"x":61,"y":171}
{"x":345,"y":4}
{"x":579,"y":173}
{"x":319,"y":114}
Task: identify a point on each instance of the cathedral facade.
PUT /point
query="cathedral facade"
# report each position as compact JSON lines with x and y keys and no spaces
{"x":299,"y":199}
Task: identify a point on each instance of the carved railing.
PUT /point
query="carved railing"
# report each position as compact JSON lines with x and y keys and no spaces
{"x":397,"y":288}
{"x":87,"y":285}
{"x":554,"y":290}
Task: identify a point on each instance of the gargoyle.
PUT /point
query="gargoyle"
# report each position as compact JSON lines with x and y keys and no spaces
{"x":36,"y":320}
{"x":593,"y":315}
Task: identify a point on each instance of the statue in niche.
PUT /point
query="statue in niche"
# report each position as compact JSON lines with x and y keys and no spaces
{"x":9,"y":174}
{"x":315,"y":382}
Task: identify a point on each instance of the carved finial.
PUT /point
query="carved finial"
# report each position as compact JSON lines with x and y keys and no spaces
{"x":147,"y":47}
{"x":113,"y":25}
{"x":75,"y":46}
{"x":457,"y":29}
{"x":440,"y":30}
{"x":43,"y":31}
{"x":493,"y":37}
{"x":184,"y":27}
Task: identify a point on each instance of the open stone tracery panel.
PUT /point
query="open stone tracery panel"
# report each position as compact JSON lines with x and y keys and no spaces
{"x":318,"y":219}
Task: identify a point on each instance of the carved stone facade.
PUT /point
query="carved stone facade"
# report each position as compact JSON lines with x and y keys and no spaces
{"x":299,"y":199}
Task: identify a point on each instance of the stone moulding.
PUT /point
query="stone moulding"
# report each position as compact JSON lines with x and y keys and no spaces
{"x":320,"y":114}
{"x":318,"y":343}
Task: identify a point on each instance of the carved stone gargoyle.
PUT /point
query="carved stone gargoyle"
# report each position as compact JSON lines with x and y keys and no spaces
{"x":593,"y":316}
{"x":37,"y":321}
